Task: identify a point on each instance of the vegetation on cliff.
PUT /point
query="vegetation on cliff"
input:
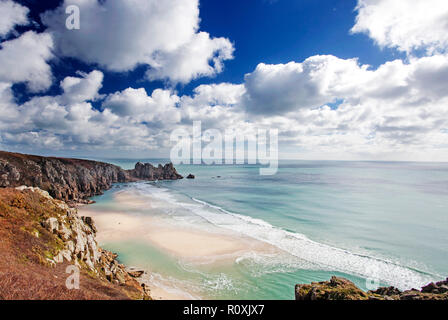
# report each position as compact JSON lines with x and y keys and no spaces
{"x":40,"y":237}
{"x":343,"y":289}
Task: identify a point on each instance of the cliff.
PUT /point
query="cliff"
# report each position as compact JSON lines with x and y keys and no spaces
{"x":73,"y":180}
{"x":41,"y":237}
{"x":343,"y":289}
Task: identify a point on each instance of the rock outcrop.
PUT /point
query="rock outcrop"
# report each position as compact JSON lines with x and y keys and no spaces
{"x":57,"y":236}
{"x":342,"y":289}
{"x":73,"y":180}
{"x":335,"y":289}
{"x":146,"y":171}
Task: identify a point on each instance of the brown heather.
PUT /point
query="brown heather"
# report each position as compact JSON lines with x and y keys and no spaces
{"x":26,"y":247}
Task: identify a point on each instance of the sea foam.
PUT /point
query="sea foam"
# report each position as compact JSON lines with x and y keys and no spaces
{"x":313,"y":255}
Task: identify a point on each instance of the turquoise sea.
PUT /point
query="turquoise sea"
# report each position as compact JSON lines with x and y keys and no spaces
{"x":376,"y":223}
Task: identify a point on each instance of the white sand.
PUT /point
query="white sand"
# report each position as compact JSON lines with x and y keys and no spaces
{"x":179,"y":241}
{"x":160,"y":293}
{"x":183,"y":242}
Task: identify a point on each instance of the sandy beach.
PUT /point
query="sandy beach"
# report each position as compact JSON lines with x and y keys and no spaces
{"x":182,"y":242}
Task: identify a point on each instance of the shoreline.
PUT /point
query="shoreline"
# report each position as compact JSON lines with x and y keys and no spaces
{"x":183,"y":243}
{"x":156,"y":292}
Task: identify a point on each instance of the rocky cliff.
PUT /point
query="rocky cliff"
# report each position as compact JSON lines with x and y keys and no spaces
{"x":73,"y":180}
{"x":343,"y":289}
{"x":40,"y":237}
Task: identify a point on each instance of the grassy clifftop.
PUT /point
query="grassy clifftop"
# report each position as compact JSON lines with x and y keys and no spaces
{"x":40,"y":237}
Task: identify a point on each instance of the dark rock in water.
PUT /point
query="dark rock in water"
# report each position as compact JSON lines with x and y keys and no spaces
{"x":343,"y":289}
{"x":190,"y":176}
{"x":74,"y":180}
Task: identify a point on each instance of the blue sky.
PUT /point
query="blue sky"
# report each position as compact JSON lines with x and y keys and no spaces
{"x":346,"y":80}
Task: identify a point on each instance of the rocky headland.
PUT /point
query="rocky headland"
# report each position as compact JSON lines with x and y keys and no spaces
{"x":342,"y":289}
{"x":74,"y":180}
{"x":41,"y":232}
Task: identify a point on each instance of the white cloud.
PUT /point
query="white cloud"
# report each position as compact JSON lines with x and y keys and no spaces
{"x":393,"y":112}
{"x":281,"y":88}
{"x":192,"y":60}
{"x":12,"y":14}
{"x":135,"y":103}
{"x":7,"y":110}
{"x":216,"y":105}
{"x":226,"y":94}
{"x":396,"y":111}
{"x":65,"y":123}
{"x":82,"y":89}
{"x":407,"y":25}
{"x":25,"y":59}
{"x":121,"y":34}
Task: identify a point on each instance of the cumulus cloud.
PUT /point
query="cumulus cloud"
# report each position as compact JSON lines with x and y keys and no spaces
{"x":7,"y":110}
{"x":406,"y":25}
{"x":120,"y":35}
{"x":392,"y":112}
{"x":216,"y":105}
{"x":319,"y":80}
{"x":135,"y":103}
{"x":25,"y":59}
{"x":226,"y":94}
{"x":12,"y":14}
{"x":277,"y":89}
{"x":323,"y":107}
{"x":128,"y":120}
{"x":82,"y":89}
{"x":192,"y":60}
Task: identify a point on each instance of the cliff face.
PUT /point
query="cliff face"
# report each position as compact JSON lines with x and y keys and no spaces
{"x":73,"y":180}
{"x":41,"y":237}
{"x":343,"y":289}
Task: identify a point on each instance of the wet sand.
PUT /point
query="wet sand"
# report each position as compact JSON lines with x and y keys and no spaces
{"x":180,"y":241}
{"x":183,"y":242}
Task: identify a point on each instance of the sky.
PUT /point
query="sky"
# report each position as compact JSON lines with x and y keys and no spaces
{"x":339,"y":80}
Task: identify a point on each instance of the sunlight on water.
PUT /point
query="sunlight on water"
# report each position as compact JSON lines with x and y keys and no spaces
{"x":360,"y":220}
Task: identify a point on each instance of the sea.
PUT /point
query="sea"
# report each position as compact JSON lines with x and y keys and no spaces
{"x":374,"y":223}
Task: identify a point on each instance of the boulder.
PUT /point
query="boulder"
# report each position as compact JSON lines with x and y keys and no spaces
{"x":387,"y":291}
{"x":51,"y":224}
{"x":90,"y":223}
{"x":136,"y":274}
